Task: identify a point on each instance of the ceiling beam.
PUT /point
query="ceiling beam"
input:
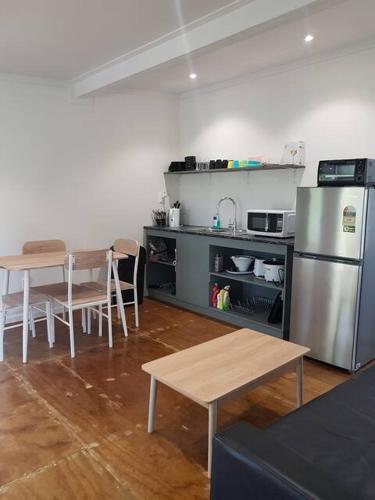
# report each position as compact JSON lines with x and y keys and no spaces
{"x":243,"y":18}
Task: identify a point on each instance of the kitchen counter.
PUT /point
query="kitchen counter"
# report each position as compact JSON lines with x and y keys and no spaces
{"x":239,"y":235}
{"x":181,"y":271}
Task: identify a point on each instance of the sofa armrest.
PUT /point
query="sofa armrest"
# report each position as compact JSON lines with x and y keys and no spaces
{"x":249,"y":464}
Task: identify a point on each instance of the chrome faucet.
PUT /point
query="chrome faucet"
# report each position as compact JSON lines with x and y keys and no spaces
{"x":234,"y":225}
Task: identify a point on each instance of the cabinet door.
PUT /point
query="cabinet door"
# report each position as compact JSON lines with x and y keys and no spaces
{"x":324,"y":309}
{"x":192,"y":273}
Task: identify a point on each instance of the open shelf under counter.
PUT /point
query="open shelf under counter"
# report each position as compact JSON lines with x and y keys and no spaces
{"x":248,"y":278}
{"x":260,"y":318}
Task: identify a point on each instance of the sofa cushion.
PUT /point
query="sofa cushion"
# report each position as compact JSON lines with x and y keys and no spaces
{"x":336,"y":434}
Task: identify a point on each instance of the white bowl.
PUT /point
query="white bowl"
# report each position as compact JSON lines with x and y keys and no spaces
{"x":242,"y":262}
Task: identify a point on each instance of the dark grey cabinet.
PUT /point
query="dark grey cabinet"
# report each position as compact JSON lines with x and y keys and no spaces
{"x":186,"y":280}
{"x":191,"y":269}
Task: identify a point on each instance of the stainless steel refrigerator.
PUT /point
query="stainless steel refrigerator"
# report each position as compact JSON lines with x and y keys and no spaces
{"x":333,"y":286}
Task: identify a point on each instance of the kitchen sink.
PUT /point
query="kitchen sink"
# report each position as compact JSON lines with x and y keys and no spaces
{"x":210,"y":230}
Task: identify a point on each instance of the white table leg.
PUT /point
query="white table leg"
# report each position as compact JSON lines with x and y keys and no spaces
{"x":152,"y":404}
{"x":25,"y":326}
{"x":6,"y":282}
{"x":5,"y":289}
{"x":120,"y":305}
{"x":212,"y":420}
{"x":299,"y":374}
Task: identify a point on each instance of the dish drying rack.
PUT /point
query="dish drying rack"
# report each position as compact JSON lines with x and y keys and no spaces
{"x":253,"y":305}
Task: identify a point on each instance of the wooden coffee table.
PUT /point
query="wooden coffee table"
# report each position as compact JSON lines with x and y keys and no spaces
{"x":221,"y":368}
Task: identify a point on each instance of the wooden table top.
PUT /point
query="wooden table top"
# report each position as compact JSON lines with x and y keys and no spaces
{"x":40,"y":260}
{"x":209,"y":371}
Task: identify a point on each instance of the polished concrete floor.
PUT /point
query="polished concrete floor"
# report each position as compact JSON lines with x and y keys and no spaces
{"x":78,"y":428}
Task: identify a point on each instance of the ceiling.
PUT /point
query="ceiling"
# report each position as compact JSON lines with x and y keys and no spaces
{"x":69,"y":39}
{"x":61,"y":39}
{"x":274,"y":44}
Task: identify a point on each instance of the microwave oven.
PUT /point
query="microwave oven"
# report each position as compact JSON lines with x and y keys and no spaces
{"x":275,"y":223}
{"x":357,"y":172}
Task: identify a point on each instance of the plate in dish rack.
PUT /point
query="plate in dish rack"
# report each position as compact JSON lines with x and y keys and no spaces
{"x":239,"y":272}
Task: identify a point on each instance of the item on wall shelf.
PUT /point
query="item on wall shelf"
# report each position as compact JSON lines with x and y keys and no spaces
{"x":190,"y":163}
{"x":294,"y":153}
{"x":203,"y":166}
{"x":230,"y":163}
{"x":236,"y":164}
{"x":176,"y":166}
{"x":159,"y":217}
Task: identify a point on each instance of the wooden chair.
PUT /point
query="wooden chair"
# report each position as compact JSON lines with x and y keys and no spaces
{"x":15,"y":301}
{"x":73,"y":297}
{"x":128,"y":247}
{"x":43,"y":246}
{"x":36,"y":299}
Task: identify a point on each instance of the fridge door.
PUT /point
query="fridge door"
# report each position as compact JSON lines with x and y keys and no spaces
{"x":330,"y":221}
{"x":324,"y":309}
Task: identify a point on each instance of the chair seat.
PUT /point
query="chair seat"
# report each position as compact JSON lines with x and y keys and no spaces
{"x":80,"y":294}
{"x":13,"y":300}
{"x":101,"y":286}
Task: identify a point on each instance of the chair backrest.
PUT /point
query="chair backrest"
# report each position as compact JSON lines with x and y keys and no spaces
{"x":43,"y":246}
{"x":129,"y":247}
{"x":88,"y":259}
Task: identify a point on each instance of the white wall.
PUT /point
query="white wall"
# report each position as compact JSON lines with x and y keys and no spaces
{"x":329,"y":104}
{"x":81,"y":170}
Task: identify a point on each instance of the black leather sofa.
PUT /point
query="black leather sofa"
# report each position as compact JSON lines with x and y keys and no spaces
{"x":324,"y":450}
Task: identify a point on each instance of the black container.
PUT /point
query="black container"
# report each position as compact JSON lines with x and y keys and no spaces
{"x":125,"y":272}
{"x":212,"y":165}
{"x":176,"y":166}
{"x":190,"y":163}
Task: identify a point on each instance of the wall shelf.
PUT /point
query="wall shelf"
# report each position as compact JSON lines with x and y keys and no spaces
{"x":262,"y":167}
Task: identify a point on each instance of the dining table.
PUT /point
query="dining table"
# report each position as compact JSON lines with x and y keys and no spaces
{"x":29,"y":262}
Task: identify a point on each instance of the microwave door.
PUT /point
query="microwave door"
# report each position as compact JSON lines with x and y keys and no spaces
{"x":329,"y":221}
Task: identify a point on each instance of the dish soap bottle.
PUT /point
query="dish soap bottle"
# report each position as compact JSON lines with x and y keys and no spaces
{"x":220,"y":300}
{"x":216,"y":222}
{"x":226,"y":298}
{"x":215,"y":292}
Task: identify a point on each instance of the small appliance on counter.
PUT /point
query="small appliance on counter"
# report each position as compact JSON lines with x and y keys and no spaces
{"x":275,"y":223}
{"x":259,"y":267}
{"x":357,"y":172}
{"x":274,"y":270}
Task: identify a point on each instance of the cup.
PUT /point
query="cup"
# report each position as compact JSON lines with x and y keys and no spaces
{"x":174,"y":217}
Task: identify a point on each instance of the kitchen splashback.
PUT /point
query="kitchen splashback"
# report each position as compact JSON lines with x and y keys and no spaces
{"x":199,"y":194}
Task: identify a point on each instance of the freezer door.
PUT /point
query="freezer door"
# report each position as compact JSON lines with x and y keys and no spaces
{"x":324,"y":305}
{"x":329,"y":221}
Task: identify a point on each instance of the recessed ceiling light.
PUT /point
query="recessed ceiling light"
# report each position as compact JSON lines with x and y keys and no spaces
{"x":193,"y":76}
{"x":309,"y":38}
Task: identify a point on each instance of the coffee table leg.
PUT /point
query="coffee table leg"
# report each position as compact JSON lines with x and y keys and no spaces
{"x":152,"y":404}
{"x":299,"y":373}
{"x":212,"y":419}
